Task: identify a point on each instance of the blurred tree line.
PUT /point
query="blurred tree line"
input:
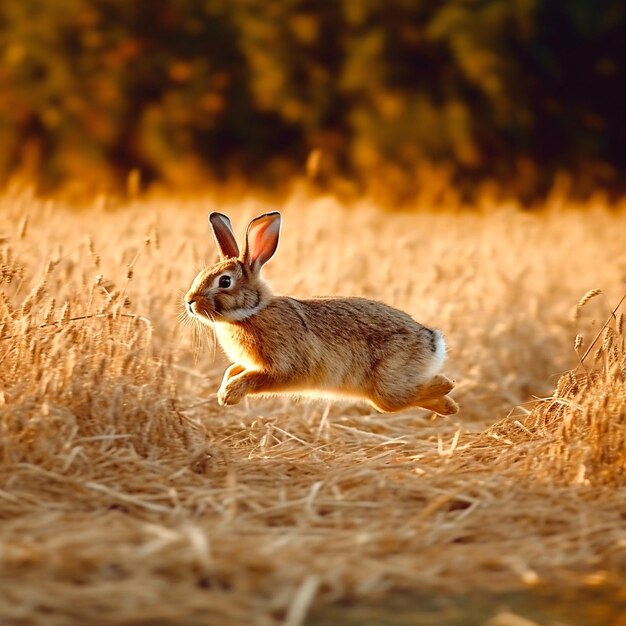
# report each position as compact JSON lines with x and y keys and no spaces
{"x":512,"y":90}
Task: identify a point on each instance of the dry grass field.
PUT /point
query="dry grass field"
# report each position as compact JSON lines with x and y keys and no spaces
{"x":128,"y":496}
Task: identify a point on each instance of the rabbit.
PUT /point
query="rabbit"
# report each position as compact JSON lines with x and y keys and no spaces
{"x":346,"y":347}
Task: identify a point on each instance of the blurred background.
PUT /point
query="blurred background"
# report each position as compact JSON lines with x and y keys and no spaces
{"x":392,"y":93}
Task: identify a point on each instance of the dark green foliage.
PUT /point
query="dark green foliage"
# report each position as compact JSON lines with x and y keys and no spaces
{"x":508,"y":89}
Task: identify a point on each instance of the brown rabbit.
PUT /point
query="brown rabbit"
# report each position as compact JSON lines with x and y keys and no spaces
{"x":339,"y":346}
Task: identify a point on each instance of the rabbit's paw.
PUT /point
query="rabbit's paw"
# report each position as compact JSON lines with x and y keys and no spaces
{"x":444,"y":405}
{"x":232,"y":392}
{"x":234,"y":370}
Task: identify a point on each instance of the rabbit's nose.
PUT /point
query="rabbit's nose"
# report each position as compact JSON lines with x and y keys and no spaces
{"x":190,"y":304}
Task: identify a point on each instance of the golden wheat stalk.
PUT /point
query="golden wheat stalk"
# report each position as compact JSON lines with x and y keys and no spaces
{"x":608,"y":321}
{"x":65,"y":319}
{"x":592,"y":293}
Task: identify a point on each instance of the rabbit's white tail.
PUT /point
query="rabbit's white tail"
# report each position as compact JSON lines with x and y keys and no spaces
{"x":439,"y":353}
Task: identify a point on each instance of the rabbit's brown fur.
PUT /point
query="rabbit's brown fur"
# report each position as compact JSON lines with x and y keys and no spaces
{"x":344,"y":346}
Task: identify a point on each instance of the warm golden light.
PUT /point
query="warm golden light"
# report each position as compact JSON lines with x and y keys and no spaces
{"x":121,"y":471}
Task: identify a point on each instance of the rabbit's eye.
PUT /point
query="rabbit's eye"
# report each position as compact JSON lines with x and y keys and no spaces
{"x":224,"y":282}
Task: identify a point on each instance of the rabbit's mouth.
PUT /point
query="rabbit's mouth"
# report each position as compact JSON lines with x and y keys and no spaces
{"x":199,"y":308}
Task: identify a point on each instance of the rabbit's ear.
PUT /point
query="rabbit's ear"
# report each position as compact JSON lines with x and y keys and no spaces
{"x":224,"y":237}
{"x":261,"y":240}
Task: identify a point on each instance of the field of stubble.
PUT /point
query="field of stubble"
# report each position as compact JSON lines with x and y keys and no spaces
{"x":128,"y":496}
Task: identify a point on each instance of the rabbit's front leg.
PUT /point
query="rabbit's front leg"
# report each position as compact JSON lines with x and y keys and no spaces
{"x":250,"y":381}
{"x":234,"y":370}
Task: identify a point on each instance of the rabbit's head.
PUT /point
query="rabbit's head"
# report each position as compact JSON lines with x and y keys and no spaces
{"x":232,"y":289}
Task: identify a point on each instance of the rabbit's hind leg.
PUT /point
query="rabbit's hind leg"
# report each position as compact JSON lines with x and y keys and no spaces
{"x":438,"y":385}
{"x":430,"y":395}
{"x":436,"y":399}
{"x":444,"y":405}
